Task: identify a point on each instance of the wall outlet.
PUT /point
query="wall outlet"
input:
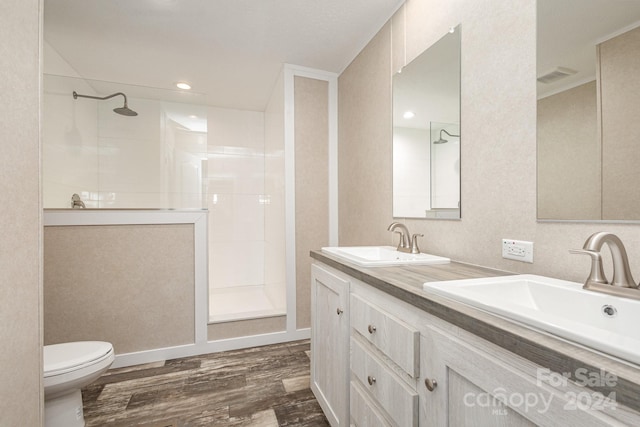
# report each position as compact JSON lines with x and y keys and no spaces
{"x":518,"y":250}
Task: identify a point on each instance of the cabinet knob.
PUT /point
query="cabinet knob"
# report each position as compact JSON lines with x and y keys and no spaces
{"x":371,"y":380}
{"x":339,"y":311}
{"x":371,"y":329}
{"x":431,"y":384}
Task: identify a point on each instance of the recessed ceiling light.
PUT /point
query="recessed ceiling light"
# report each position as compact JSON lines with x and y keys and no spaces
{"x":183,"y":85}
{"x":409,"y":115}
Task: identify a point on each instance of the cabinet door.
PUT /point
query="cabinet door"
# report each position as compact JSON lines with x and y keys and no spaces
{"x":330,"y":343}
{"x":478,"y":387}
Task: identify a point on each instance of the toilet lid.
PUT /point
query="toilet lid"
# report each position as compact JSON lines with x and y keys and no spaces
{"x":60,"y":358}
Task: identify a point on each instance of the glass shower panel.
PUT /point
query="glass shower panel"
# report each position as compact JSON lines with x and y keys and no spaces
{"x":156,"y":159}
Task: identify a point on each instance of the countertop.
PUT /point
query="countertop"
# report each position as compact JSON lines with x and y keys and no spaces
{"x":557,"y":354}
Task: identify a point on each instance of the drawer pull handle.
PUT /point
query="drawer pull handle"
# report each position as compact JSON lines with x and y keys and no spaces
{"x":371,"y":380}
{"x":371,"y":329}
{"x":339,"y":311}
{"x":431,"y":384}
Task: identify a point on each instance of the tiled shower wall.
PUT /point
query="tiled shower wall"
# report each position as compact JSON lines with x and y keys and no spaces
{"x":235,"y":198}
{"x":274,"y":214}
{"x":239,"y":193}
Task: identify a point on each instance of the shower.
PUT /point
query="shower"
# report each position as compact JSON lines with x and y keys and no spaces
{"x":124,"y":110}
{"x":441,"y":140}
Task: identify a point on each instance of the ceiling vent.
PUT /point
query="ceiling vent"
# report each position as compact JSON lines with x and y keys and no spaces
{"x":557,"y":74}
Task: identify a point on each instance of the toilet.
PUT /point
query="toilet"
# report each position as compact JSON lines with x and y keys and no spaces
{"x":67,"y":368}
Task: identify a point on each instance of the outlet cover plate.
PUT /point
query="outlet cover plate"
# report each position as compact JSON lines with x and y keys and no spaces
{"x":518,"y":250}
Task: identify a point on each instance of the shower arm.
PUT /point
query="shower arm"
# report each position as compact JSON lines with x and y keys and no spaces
{"x":443,"y":130}
{"x":77,"y":95}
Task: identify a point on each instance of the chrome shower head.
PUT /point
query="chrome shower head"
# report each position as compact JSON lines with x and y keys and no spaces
{"x":124,"y":110}
{"x":442,"y":140}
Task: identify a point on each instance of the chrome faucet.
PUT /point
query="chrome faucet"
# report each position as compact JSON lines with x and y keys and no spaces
{"x":76,"y":202}
{"x":405,"y":245}
{"x":622,"y":283}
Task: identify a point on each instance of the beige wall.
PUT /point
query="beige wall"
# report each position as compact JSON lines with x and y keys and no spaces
{"x":569,"y":155}
{"x":619,"y":62}
{"x":364,"y":147}
{"x":20,"y":222}
{"x":244,"y":328}
{"x":131,"y":285}
{"x":312,"y":198}
{"x":498,"y":125}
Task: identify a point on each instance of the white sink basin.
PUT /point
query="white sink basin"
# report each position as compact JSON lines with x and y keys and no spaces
{"x":557,"y":306}
{"x":383,"y":256}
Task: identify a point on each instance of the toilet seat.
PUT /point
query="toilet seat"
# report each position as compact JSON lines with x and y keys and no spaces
{"x":63,"y":358}
{"x":68,"y":367}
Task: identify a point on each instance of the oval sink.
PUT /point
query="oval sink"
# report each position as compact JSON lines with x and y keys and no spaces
{"x":600,"y":321}
{"x":382,"y":256}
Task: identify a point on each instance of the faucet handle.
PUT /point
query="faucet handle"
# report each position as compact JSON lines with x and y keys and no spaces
{"x":414,"y":243}
{"x":597,"y":272}
{"x":593,"y":254}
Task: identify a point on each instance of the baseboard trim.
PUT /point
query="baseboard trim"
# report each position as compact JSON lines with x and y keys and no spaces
{"x":158,"y":354}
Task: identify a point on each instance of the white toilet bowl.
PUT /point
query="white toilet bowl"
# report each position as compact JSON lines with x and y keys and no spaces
{"x":67,"y":368}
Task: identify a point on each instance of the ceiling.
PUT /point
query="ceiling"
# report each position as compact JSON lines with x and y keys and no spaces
{"x":230,"y":50}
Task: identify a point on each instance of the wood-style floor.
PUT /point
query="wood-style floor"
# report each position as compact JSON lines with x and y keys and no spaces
{"x":262,"y":386}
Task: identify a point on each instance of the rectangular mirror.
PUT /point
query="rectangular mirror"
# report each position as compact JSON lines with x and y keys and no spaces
{"x":588,"y":130}
{"x":426,"y":133}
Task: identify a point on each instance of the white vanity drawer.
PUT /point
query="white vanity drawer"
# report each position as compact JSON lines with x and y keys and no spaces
{"x":393,"y":337}
{"x":390,"y":392}
{"x":363,"y":411}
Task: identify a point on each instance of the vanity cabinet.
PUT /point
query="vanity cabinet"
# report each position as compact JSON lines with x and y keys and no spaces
{"x":330,"y":342}
{"x":407,"y":367}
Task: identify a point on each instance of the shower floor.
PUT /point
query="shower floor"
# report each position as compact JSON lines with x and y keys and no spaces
{"x":240,"y":303}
